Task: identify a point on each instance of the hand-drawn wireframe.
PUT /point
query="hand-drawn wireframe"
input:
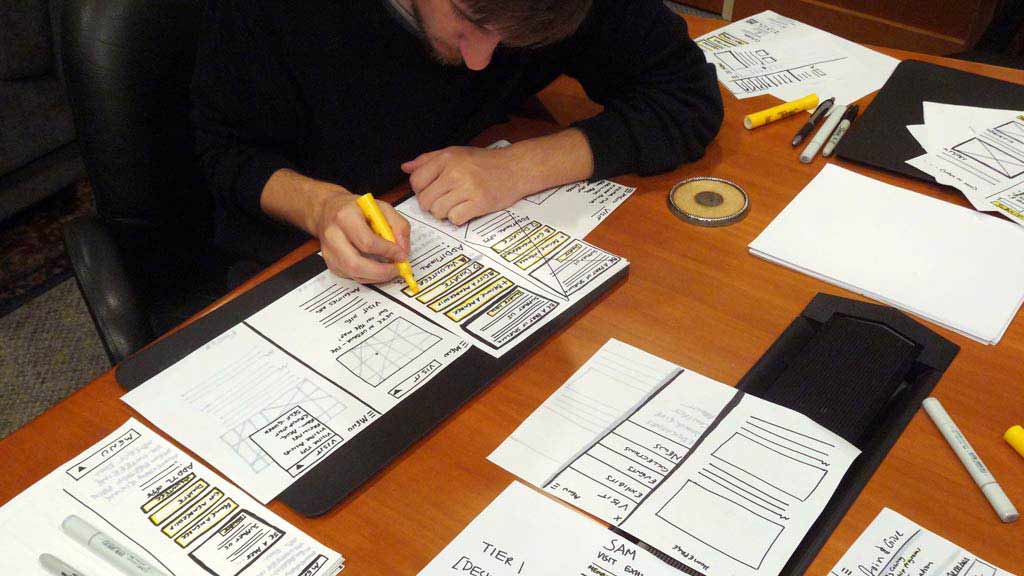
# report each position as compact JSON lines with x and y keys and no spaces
{"x":719,"y":41}
{"x":980,"y":568}
{"x":731,"y":517}
{"x":233,"y":548}
{"x":296,"y":440}
{"x":573,"y":267}
{"x":769,"y":80}
{"x":749,"y":485}
{"x":390,"y":349}
{"x":541,"y":197}
{"x":732,"y":60}
{"x":1014,"y":130}
{"x":516,"y":311}
{"x":300,"y":392}
{"x":990,"y":156}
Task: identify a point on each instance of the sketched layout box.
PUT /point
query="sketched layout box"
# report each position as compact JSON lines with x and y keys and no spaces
{"x":241,"y":541}
{"x":717,"y":521}
{"x":390,"y":349}
{"x":783,"y":471}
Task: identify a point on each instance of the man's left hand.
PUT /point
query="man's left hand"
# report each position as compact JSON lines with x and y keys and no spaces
{"x":460,"y":183}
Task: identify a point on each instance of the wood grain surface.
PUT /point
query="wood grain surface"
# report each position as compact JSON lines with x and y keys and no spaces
{"x":694,"y":296}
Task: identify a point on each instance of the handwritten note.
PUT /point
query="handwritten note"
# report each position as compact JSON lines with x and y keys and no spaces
{"x":160,"y":504}
{"x":624,"y":466}
{"x":893,"y":545}
{"x":523,"y":533}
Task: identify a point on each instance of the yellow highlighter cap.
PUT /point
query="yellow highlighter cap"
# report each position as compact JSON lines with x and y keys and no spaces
{"x":1015,"y":437}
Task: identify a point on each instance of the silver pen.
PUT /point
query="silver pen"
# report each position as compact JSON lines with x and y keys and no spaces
{"x":822,"y":134}
{"x":970,"y":459}
{"x":113,"y":552}
{"x":58,"y":567}
{"x":844,"y":125}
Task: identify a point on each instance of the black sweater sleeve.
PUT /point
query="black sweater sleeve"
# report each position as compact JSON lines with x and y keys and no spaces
{"x":662,"y":105}
{"x":245,"y":128}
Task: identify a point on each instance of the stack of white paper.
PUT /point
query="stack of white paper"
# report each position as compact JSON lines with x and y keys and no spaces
{"x":155,"y":506}
{"x":771,"y":54}
{"x":979,"y":151}
{"x":949,"y":264}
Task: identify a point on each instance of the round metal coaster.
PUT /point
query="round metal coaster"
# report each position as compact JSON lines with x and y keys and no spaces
{"x":707,"y":201}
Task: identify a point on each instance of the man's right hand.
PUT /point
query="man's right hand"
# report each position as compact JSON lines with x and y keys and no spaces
{"x":347,"y":241}
{"x":350,"y":247}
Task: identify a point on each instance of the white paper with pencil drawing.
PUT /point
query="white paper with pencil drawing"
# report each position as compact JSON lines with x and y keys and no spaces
{"x":765,"y":472}
{"x":896,"y":546}
{"x":979,"y":151}
{"x":612,"y":383}
{"x":522,"y":533}
{"x":688,"y":443}
{"x":771,"y":53}
{"x":161,"y":505}
{"x":275,"y":395}
{"x":499,"y":278}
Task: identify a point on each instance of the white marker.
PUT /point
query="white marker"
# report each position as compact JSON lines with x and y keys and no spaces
{"x":110,"y":550}
{"x":979,"y":472}
{"x":830,"y":123}
{"x":58,"y":567}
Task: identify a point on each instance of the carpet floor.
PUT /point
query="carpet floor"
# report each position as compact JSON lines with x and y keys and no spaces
{"x":32,"y":257}
{"x":50,"y":349}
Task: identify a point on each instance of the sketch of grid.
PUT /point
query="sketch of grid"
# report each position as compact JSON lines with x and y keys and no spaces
{"x":1013,"y":130}
{"x":392,"y":348}
{"x":304,"y":393}
{"x":991,"y":157}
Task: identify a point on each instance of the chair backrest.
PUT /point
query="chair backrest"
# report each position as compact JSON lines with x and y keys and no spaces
{"x":128,"y":66}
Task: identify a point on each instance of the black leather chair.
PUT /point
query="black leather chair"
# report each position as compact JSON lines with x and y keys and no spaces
{"x":146,"y":261}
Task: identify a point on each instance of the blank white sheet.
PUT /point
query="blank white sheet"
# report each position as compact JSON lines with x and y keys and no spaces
{"x":952,"y":265}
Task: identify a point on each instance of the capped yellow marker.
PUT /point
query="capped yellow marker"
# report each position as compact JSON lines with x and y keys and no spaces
{"x":784,"y":110}
{"x":1015,"y":437}
{"x":380,"y":225}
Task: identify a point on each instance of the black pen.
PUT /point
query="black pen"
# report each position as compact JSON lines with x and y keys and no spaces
{"x":818,"y":114}
{"x":844,"y":125}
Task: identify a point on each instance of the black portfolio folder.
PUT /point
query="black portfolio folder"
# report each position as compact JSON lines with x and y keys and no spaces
{"x":356,"y":461}
{"x":880,"y":137}
{"x":859,"y":369}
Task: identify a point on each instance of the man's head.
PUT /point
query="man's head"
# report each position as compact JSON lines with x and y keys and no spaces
{"x":468,"y":31}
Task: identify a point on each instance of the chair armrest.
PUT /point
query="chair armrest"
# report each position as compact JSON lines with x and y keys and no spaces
{"x":110,"y":294}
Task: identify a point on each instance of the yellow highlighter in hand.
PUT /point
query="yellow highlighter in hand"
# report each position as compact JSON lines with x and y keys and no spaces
{"x":380,"y":225}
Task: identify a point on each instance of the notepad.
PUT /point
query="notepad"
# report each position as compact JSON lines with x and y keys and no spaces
{"x":956,"y":267}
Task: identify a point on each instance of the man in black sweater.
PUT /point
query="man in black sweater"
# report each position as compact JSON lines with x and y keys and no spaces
{"x":299,"y":105}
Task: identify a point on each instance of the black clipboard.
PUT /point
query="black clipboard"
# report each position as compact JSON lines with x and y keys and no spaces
{"x":880,"y":138}
{"x":358,"y":460}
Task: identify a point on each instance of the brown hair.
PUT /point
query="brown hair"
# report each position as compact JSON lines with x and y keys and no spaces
{"x":528,"y":22}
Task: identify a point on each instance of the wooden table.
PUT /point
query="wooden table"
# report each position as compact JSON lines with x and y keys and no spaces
{"x":694,"y":296}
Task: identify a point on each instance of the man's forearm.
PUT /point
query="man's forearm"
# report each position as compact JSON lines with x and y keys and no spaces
{"x":297,"y":199}
{"x":549,"y":161}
